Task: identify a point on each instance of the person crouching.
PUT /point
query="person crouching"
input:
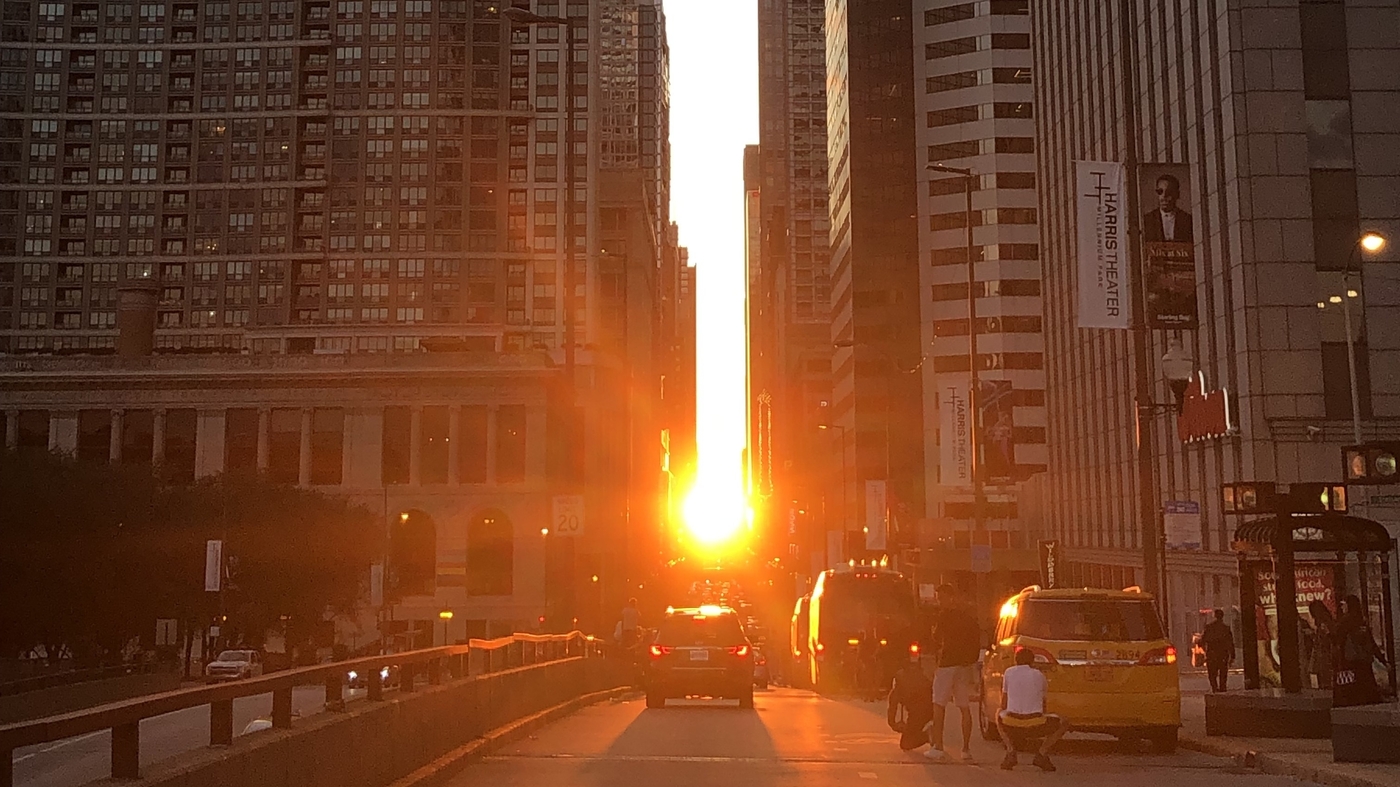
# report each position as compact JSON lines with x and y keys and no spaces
{"x":1023,"y":690}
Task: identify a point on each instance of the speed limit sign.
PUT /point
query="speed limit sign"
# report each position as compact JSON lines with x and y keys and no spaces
{"x":568,"y":515}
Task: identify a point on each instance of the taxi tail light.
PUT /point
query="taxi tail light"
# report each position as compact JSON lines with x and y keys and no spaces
{"x":914,"y":649}
{"x":1158,"y":657}
{"x":657,"y":651}
{"x":1042,"y":656}
{"x":739,"y":650}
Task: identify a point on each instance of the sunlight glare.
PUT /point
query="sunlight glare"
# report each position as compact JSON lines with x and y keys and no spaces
{"x":714,"y":514}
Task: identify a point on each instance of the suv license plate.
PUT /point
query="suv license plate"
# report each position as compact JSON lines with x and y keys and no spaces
{"x":1099,"y":674}
{"x":699,"y":655}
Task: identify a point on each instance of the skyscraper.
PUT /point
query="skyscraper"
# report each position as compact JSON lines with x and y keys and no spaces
{"x":975,"y":112}
{"x":1283,"y":168}
{"x":793,"y":227}
{"x":874,"y":268}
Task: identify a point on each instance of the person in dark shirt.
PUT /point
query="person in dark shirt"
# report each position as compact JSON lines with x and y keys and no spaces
{"x":911,"y":704}
{"x":1219,"y":643}
{"x":956,"y":644}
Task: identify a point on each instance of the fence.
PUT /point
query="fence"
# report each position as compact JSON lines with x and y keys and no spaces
{"x":477,"y":657}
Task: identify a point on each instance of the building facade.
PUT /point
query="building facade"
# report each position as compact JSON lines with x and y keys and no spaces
{"x":457,"y":442}
{"x":874,"y":272}
{"x":974,"y":111}
{"x":1285,"y":118}
{"x":793,"y":239}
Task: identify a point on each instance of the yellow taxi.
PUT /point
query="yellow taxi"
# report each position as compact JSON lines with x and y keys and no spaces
{"x":1110,"y":667}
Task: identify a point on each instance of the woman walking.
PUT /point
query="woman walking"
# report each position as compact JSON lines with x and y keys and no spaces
{"x":1354,"y":651}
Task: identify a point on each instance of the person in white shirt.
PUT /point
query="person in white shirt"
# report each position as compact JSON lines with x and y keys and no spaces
{"x":1023,"y":689}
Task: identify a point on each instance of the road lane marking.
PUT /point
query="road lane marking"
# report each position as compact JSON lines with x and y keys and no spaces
{"x":60,"y":745}
{"x":868,"y":775}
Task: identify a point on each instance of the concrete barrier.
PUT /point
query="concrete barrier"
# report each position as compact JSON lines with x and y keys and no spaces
{"x":54,"y":700}
{"x":374,"y":743}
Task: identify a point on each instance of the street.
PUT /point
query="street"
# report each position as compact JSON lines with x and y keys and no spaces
{"x":796,"y":738}
{"x":85,"y":758}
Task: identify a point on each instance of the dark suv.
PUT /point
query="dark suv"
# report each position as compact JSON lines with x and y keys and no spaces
{"x":700,"y":651}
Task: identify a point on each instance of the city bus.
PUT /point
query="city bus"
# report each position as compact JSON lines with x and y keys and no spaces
{"x":860,"y":613}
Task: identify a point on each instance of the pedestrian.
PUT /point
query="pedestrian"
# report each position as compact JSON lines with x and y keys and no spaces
{"x":1219,"y":643}
{"x":957,"y":644}
{"x":1023,"y":690}
{"x":1354,"y":651}
{"x":629,"y":624}
{"x":1325,"y":627}
{"x":911,"y":704}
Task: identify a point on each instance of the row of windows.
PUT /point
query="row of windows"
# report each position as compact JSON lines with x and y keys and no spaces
{"x":962,"y":11}
{"x":962,"y":46}
{"x":958,"y":219}
{"x":986,"y":76}
{"x":968,"y":114}
{"x":978,"y":147}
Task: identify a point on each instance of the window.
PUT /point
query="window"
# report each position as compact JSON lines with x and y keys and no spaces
{"x":396,"y":445}
{"x":327,"y":445}
{"x":955,"y":13}
{"x":490,"y":555}
{"x":1336,"y":380}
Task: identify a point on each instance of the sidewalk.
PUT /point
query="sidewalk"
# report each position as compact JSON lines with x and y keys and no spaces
{"x":1308,"y":760}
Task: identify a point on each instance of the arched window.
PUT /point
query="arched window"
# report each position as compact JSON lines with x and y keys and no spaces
{"x":490,"y":555}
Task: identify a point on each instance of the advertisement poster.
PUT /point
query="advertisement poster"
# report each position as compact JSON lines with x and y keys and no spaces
{"x":998,"y":432}
{"x":1314,"y":584}
{"x":1102,"y":244}
{"x":954,"y":428}
{"x":1169,"y":249}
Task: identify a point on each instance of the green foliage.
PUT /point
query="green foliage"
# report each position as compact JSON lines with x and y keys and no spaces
{"x":91,"y":555}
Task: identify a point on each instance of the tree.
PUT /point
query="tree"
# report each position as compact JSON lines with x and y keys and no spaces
{"x":91,"y":555}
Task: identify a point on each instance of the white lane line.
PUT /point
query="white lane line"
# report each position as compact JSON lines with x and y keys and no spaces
{"x":60,"y":745}
{"x":868,"y":775}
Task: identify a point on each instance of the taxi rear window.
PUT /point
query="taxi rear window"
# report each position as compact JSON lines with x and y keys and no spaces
{"x":712,"y":630}
{"x":1089,"y":620}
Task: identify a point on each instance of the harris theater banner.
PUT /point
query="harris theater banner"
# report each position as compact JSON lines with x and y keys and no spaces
{"x":1168,"y":246}
{"x":1100,"y":205}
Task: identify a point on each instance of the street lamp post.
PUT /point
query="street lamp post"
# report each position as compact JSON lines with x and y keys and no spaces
{"x":1371,"y":243}
{"x":974,"y":397}
{"x":825,"y":548}
{"x":446,"y":617}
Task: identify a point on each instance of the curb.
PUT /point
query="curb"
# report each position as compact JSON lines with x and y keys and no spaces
{"x":1281,"y":765}
{"x":445,"y":767}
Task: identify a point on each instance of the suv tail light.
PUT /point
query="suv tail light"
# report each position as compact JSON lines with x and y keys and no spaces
{"x":1159,"y":657}
{"x":1042,"y":656}
{"x":914,"y":649}
{"x":739,"y":650}
{"x":657,"y":651}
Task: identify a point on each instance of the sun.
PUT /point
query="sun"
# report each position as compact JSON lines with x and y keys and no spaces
{"x":715,"y":515}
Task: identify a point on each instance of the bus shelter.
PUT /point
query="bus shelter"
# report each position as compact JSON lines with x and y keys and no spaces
{"x":1289,"y":562}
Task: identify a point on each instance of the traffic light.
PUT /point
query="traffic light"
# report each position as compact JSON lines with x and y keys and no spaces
{"x":1267,"y":497}
{"x":1371,"y":464}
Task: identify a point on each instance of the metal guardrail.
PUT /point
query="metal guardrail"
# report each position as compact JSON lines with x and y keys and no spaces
{"x":477,"y":657}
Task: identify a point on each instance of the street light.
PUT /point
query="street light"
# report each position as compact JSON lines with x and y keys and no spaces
{"x":1370,"y":243}
{"x":446,"y":617}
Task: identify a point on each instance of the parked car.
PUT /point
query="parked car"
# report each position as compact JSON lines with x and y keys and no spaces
{"x":234,"y":665}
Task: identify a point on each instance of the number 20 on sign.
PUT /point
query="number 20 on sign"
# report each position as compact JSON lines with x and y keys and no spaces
{"x":567,"y":519}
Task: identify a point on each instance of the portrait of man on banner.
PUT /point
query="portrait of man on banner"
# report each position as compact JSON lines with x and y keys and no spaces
{"x":998,"y":431}
{"x":1169,"y":249}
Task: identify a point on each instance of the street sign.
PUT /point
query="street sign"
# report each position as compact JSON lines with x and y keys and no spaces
{"x":376,"y":585}
{"x":213,"y":565}
{"x":981,"y":559}
{"x":166,"y":632}
{"x":1181,"y":520}
{"x":568,"y":515}
{"x":877,"y":520}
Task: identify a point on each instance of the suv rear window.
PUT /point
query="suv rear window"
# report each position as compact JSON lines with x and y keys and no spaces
{"x":1089,"y":620}
{"x":713,"y":630}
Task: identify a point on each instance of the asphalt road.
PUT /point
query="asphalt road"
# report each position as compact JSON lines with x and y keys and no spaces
{"x":79,"y":760}
{"x":794,"y":738}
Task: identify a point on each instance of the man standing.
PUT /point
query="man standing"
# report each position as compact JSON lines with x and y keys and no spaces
{"x":1168,"y":223}
{"x":956,"y":643}
{"x":1219,"y":643}
{"x":630,"y":623}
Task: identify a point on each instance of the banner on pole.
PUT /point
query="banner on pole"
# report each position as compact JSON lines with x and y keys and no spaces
{"x":1169,"y":246}
{"x":955,"y":434}
{"x":1049,"y":562}
{"x":376,"y":585}
{"x":877,"y":521}
{"x":213,"y":565}
{"x":1103,"y":275}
